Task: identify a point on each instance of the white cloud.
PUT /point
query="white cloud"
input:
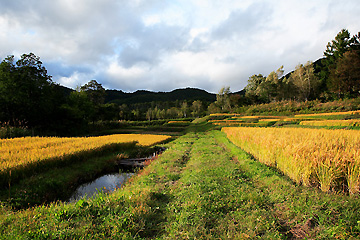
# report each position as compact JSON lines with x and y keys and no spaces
{"x":162,"y":45}
{"x":150,"y":20}
{"x":76,"y":79}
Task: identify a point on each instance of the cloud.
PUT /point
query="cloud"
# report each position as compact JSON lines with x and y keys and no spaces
{"x":243,"y":23}
{"x":165,"y":44}
{"x":149,"y":43}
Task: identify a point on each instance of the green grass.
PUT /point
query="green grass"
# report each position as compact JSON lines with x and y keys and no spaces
{"x":200,"y":127}
{"x":202,"y":187}
{"x":213,"y":199}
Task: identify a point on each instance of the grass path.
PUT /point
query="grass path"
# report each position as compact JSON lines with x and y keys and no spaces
{"x":202,"y":187}
{"x":215,"y":198}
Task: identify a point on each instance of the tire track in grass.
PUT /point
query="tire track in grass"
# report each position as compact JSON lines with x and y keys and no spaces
{"x":158,"y":179}
{"x":215,"y":199}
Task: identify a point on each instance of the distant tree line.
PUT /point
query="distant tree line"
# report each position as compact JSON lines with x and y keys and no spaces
{"x":29,"y":98}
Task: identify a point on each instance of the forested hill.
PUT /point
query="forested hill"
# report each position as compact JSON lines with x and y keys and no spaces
{"x":143,"y":96}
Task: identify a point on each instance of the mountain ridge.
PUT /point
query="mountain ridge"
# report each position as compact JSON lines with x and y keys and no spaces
{"x":146,"y":96}
{"x":143,"y":96}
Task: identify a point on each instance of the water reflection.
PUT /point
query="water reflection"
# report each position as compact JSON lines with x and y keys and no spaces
{"x":107,"y":182}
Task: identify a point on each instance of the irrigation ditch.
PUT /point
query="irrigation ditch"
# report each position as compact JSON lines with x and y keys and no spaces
{"x":109,"y":182}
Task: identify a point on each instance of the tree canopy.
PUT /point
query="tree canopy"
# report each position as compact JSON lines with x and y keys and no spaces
{"x":26,"y":91}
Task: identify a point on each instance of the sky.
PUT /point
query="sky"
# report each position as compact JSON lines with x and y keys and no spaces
{"x":162,"y":45}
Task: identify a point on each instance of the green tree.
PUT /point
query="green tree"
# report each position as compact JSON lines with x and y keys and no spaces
{"x":95,"y":92}
{"x":196,"y":108}
{"x":223,"y":99}
{"x":9,"y":96}
{"x":213,"y":108}
{"x":237,"y":100}
{"x":108,"y":112}
{"x":124,"y":111}
{"x":273,"y":84}
{"x":27,"y":92}
{"x":253,"y":89}
{"x":161,"y":114}
{"x":267,"y":88}
{"x":184,"y":110}
{"x":344,"y":78}
{"x":149,"y":114}
{"x":78,"y":107}
{"x":96,"y":95}
{"x":305,"y":81}
{"x":337,"y":47}
{"x":135,"y":114}
{"x":172,"y":112}
{"x":335,"y":50}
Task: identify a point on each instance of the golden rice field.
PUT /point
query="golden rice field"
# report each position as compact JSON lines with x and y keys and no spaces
{"x":263,"y":117}
{"x":251,"y":117}
{"x":21,"y":151}
{"x":328,"y":114}
{"x":233,"y":122}
{"x":225,"y":114}
{"x":227,"y":124}
{"x":326,"y":158}
{"x":332,"y":123}
{"x":269,"y":120}
{"x":174,"y":122}
{"x":226,"y":120}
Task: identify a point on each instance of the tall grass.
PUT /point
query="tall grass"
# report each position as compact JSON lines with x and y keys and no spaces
{"x":328,"y":158}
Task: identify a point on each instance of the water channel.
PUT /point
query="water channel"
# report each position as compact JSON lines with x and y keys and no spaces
{"x":108,"y":183}
{"x":112,"y":181}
